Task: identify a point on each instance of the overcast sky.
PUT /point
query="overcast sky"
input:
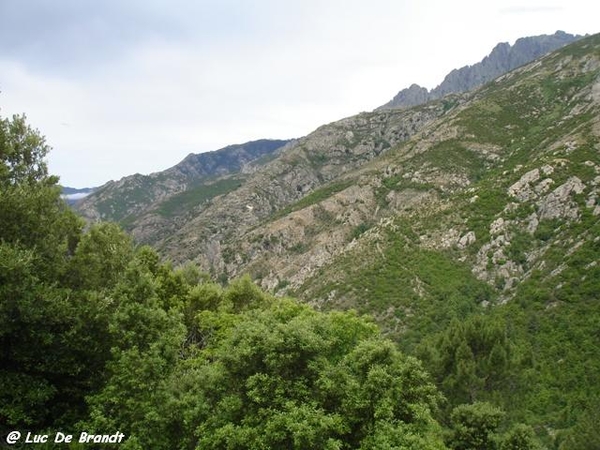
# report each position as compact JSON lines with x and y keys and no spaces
{"x":126,"y":86}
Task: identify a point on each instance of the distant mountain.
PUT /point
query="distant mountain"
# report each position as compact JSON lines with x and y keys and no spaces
{"x":501,"y":60}
{"x":72,"y":195}
{"x":135,"y":195}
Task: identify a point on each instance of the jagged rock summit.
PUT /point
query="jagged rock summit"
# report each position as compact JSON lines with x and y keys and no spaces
{"x":501,"y":60}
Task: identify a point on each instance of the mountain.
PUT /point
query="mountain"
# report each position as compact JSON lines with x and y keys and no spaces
{"x":119,"y":201}
{"x":71,"y":191}
{"x":467,"y":227}
{"x":188,"y":217}
{"x":72,"y":195}
{"x":490,"y":213}
{"x":501,"y":60}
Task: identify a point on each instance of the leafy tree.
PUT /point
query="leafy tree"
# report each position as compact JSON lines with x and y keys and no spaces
{"x":276,"y":374}
{"x":474,"y":427}
{"x":470,"y":358}
{"x":100,"y":258}
{"x":146,"y":341}
{"x":53,"y":343}
{"x":289,"y":377}
{"x":521,"y":437}
{"x":585,"y":434}
{"x":51,"y":337}
{"x":22,"y":153}
{"x":243,"y":294}
{"x":32,"y":214}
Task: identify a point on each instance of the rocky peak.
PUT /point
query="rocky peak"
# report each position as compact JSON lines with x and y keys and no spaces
{"x":502,"y":59}
{"x":414,"y":95}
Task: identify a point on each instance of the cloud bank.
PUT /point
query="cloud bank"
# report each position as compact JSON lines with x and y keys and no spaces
{"x":123,"y":87}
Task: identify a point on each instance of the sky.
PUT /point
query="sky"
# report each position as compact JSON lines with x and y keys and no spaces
{"x":133,"y":86}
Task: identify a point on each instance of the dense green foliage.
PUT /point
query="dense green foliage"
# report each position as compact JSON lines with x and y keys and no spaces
{"x":445,"y":289}
{"x":44,"y":361}
{"x":471,"y":358}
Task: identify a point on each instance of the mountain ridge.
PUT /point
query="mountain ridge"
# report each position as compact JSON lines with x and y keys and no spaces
{"x":501,"y":59}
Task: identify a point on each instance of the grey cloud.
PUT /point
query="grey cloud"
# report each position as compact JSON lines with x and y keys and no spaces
{"x":64,"y":34}
{"x":72,"y":35}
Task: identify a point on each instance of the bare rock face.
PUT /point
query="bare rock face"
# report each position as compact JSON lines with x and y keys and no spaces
{"x":501,"y":60}
{"x":596,"y":92}
{"x":558,"y":203}
{"x":412,"y":96}
{"x":497,"y":226}
{"x":522,"y":189}
{"x":532,"y":223}
{"x":467,"y":240}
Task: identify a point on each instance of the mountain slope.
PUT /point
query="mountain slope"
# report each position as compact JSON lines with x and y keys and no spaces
{"x":191,"y":221}
{"x":483,"y":143}
{"x":493,"y":210}
{"x":501,"y":60}
{"x":489,"y":208}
